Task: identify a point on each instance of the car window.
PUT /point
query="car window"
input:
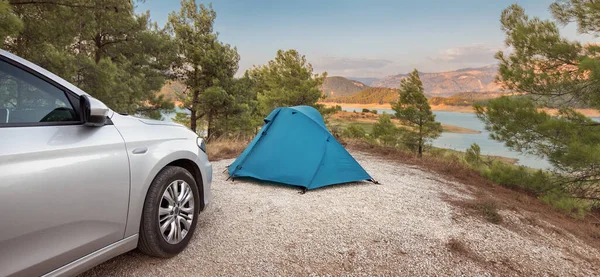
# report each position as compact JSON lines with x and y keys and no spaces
{"x":25,"y":98}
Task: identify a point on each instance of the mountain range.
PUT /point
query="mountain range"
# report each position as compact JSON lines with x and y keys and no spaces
{"x":337,"y":86}
{"x":481,"y":79}
{"x":365,"y":80}
{"x":369,"y":95}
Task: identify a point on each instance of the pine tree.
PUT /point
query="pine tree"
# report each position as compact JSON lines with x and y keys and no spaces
{"x":551,"y":69}
{"x":288,"y":80}
{"x":101,"y":46}
{"x":413,"y":110}
{"x":204,"y":62}
{"x":10,"y":24}
{"x":386,"y":131}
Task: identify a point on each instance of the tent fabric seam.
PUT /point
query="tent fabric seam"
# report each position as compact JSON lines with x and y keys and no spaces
{"x":319,"y":164}
{"x":262,"y":133}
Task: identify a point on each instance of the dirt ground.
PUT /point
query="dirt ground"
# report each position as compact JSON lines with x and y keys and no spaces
{"x":414,"y":223}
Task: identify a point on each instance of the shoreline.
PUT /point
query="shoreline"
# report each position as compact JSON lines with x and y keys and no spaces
{"x":367,"y":118}
{"x":441,"y":108}
{"x":447,"y":108}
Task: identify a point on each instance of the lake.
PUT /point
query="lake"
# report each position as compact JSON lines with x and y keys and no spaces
{"x":461,"y":142}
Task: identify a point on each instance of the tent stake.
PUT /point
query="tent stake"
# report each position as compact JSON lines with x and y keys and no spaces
{"x":303,"y":191}
{"x":374,"y":182}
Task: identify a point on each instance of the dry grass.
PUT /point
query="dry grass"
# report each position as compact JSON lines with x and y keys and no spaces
{"x":457,"y":246}
{"x":486,"y":208}
{"x":446,"y":166}
{"x":484,"y":190}
{"x":219,"y":149}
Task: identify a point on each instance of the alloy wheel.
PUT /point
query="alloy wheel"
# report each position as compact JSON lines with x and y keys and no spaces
{"x":176,"y":211}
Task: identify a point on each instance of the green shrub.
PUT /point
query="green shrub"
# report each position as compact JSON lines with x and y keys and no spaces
{"x":354,"y":130}
{"x":489,"y":210}
{"x":366,"y":110}
{"x":410,"y":140}
{"x":473,"y":154}
{"x":386,"y":132}
{"x":566,"y":203}
{"x":508,"y":175}
{"x":374,"y":111}
{"x":534,"y":181}
{"x":537,"y":182}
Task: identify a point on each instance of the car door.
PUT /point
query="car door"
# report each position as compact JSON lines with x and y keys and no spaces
{"x":64,"y":187}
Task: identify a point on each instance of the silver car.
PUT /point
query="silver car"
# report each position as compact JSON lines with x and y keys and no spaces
{"x":80,"y":184}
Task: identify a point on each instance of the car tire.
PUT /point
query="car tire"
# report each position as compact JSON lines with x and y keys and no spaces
{"x":165,"y":228}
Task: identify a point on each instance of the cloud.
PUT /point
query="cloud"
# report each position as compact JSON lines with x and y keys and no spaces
{"x":346,"y":66}
{"x":343,"y":63}
{"x":471,"y":54}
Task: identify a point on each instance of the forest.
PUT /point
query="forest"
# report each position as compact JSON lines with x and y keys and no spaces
{"x":124,"y":59}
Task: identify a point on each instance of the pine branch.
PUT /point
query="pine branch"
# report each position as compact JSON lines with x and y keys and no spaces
{"x":19,"y":3}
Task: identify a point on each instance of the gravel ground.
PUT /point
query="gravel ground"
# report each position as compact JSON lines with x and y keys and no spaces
{"x":404,"y":227}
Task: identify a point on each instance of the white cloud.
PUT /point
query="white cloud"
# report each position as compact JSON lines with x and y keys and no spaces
{"x":470,"y":54}
{"x":346,"y":66}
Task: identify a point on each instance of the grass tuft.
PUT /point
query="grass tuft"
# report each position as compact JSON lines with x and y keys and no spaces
{"x":220,"y":149}
{"x":489,"y":210}
{"x":457,"y":246}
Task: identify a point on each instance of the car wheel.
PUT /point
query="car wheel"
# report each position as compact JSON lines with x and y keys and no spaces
{"x":170,"y":213}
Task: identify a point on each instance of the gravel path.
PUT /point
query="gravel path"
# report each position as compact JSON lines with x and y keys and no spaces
{"x":402,"y":227}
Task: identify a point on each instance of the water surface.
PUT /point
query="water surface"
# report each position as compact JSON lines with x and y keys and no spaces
{"x":461,"y":142}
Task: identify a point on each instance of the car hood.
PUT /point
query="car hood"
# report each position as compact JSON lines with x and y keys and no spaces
{"x":159,"y":122}
{"x":142,"y":129}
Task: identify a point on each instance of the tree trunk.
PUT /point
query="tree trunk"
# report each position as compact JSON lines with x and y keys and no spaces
{"x":420,"y":140}
{"x":193,"y":119}
{"x":98,"y":52}
{"x":98,"y":55}
{"x":209,"y":129}
{"x":194,"y":111}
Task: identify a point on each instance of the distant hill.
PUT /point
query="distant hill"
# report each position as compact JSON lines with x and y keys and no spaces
{"x":171,"y":89}
{"x":365,"y":80}
{"x":339,"y":86}
{"x":464,"y":98}
{"x":368,"y":96}
{"x":374,"y":95}
{"x":448,"y":83}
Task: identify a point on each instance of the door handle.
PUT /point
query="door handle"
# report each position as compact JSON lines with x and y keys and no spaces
{"x":140,"y":150}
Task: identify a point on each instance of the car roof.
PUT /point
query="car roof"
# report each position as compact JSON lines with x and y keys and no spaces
{"x":42,"y":71}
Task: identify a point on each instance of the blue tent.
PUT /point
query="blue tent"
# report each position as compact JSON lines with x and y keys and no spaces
{"x":294,"y":147}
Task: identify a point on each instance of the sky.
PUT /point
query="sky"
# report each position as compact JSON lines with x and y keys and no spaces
{"x":365,"y":38}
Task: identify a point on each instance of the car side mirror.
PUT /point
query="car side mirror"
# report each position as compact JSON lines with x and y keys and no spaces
{"x":94,"y":112}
